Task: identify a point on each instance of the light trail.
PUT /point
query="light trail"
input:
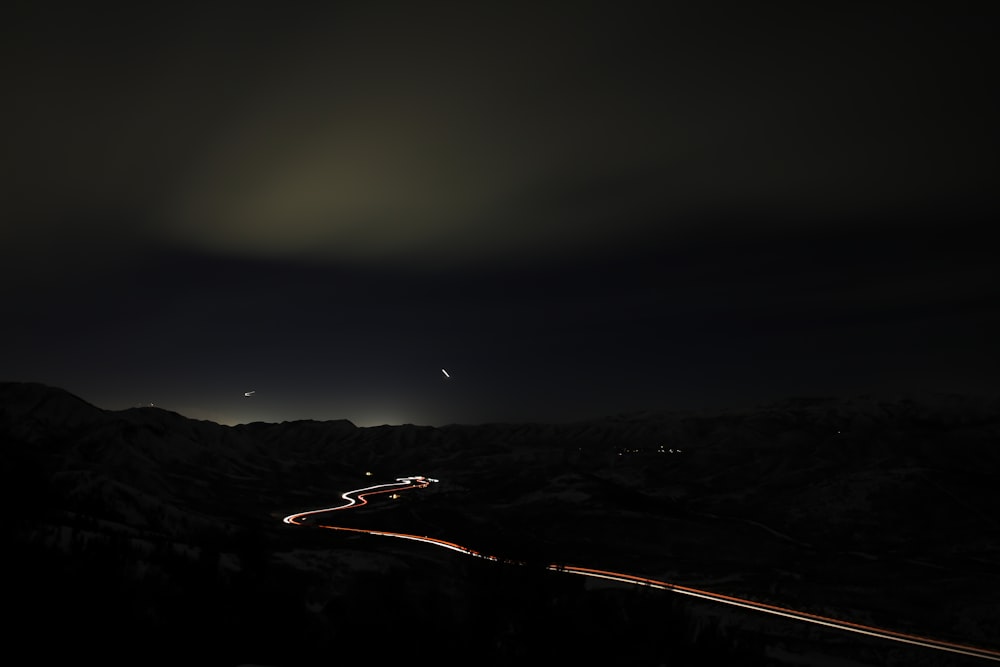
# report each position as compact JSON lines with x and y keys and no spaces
{"x":356,"y":498}
{"x":849,"y":626}
{"x":401,"y":483}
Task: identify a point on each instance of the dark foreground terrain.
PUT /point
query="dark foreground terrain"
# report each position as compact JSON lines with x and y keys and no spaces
{"x":144,"y":537}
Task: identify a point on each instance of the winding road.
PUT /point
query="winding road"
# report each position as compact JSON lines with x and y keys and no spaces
{"x":357,"y":498}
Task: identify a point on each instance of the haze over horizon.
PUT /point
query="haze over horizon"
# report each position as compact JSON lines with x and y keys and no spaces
{"x":575,"y":214}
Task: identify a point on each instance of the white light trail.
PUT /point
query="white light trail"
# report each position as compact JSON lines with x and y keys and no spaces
{"x":356,"y":498}
{"x":414,"y":482}
{"x":816,"y":619}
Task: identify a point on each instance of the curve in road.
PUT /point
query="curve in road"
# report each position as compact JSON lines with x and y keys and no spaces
{"x":357,"y":498}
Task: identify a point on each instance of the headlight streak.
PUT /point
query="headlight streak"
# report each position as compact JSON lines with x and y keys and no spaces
{"x":400,"y":484}
{"x":764,"y":607}
{"x":356,"y":498}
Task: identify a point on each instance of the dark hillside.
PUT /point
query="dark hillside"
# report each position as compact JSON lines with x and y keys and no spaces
{"x":141,"y":535}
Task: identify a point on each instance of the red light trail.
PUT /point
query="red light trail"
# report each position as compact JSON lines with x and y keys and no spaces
{"x":356,"y":498}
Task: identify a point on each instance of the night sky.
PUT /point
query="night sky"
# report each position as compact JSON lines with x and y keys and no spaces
{"x":577,"y":209}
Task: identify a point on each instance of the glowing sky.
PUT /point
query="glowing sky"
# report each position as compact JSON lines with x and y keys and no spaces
{"x":575,"y":212}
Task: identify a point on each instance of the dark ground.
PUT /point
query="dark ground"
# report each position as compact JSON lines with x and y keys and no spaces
{"x":142,"y":536}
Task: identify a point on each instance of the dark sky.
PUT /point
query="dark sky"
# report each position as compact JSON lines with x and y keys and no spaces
{"x":576,"y":211}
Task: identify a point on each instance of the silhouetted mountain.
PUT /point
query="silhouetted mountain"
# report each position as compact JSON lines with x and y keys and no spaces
{"x":165,"y":531}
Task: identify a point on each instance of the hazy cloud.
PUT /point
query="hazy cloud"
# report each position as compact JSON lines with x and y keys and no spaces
{"x":464,"y":134}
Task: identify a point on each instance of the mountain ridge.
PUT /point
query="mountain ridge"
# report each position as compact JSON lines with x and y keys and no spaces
{"x":880,"y":508}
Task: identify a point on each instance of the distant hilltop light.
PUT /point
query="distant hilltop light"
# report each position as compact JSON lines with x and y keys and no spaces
{"x":445,"y":373}
{"x":250,"y":393}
